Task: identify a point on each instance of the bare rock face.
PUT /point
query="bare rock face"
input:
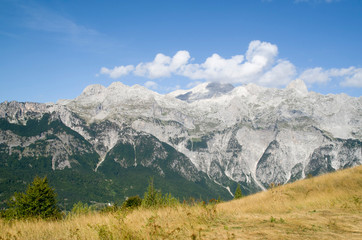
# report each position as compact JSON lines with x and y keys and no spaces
{"x":249,"y":135}
{"x":299,"y":86}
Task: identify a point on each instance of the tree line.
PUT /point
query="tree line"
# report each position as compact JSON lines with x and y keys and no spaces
{"x":39,"y":201}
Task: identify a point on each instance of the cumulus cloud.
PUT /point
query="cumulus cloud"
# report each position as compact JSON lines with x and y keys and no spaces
{"x":352,"y":77}
{"x":260,"y":64}
{"x":117,"y":72}
{"x":163,"y":66}
{"x":279,"y":75}
{"x":315,"y":75}
{"x":260,"y":57}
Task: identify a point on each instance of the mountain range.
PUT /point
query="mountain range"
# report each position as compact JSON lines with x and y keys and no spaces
{"x":104,"y":145}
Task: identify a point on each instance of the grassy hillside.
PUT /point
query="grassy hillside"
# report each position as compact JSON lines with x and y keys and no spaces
{"x":324,"y":207}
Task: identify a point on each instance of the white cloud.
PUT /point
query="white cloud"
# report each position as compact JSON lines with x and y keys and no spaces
{"x":355,"y":80}
{"x":151,"y":85}
{"x":259,"y":65}
{"x":117,"y":72}
{"x":260,"y":57}
{"x":352,"y":77}
{"x":262,"y":53}
{"x":340,"y":72}
{"x":279,"y":75}
{"x":315,"y":75}
{"x":162,"y":65}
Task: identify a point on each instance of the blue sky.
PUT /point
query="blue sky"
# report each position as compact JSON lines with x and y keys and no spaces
{"x":53,"y":49}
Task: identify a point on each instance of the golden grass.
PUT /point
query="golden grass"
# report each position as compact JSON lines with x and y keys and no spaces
{"x":325,"y":207}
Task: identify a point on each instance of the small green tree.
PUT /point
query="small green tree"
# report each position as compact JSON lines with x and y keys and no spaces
{"x":238,"y":193}
{"x":39,"y":201}
{"x":152,"y":197}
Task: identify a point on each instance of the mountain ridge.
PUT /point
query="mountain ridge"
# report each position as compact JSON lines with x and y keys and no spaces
{"x":247,"y":135}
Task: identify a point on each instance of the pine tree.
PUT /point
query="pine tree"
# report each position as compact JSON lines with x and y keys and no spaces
{"x":39,"y":201}
{"x":238,"y":193}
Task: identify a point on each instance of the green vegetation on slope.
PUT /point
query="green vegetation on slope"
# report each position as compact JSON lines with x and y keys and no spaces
{"x":324,"y":207}
{"x":113,"y":182}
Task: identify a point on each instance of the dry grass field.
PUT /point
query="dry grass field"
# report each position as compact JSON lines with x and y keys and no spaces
{"x":324,"y":207}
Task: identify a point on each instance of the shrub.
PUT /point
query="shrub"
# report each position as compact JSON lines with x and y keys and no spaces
{"x":169,"y":200}
{"x":81,"y":208}
{"x":132,"y":202}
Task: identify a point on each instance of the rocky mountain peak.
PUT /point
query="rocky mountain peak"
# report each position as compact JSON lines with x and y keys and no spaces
{"x":299,"y":86}
{"x":94,"y":89}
